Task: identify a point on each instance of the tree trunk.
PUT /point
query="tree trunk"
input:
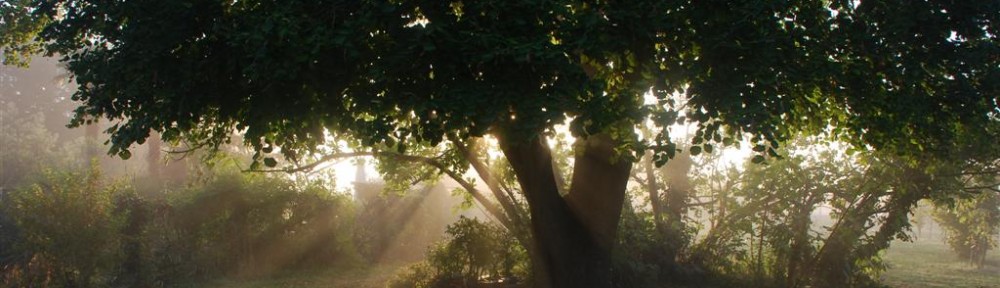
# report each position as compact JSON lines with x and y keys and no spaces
{"x":832,"y":261}
{"x":91,"y":147}
{"x":153,"y":160}
{"x":678,"y":186}
{"x":654,"y":192}
{"x":575,"y":234}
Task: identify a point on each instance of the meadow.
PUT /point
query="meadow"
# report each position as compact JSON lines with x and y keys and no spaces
{"x":929,"y":263}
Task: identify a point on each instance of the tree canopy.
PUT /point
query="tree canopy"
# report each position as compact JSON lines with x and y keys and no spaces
{"x":884,"y":74}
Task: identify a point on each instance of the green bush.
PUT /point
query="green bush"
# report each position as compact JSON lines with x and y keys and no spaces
{"x":474,"y":254}
{"x":74,"y":230}
{"x":242,"y":225}
{"x":638,"y":259}
{"x":420,"y":275}
{"x":68,"y":231}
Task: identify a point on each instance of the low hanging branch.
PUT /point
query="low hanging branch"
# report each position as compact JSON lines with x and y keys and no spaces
{"x":185,"y":152}
{"x":324,"y":159}
{"x":490,"y":207}
{"x":506,"y":200}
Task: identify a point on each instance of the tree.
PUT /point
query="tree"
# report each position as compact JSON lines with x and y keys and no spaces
{"x":972,"y":224}
{"x":910,"y":78}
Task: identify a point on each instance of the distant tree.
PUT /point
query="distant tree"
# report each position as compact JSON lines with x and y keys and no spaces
{"x":922,"y":218}
{"x":28,"y":147}
{"x":972,"y":225}
{"x":913,"y":78}
{"x":764,"y":225}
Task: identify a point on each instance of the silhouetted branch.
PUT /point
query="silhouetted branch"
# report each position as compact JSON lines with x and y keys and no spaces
{"x":476,"y":194}
{"x":506,"y":201}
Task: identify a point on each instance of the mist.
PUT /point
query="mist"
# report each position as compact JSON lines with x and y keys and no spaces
{"x":547,"y":144}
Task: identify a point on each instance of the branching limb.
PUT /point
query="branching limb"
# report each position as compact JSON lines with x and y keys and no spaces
{"x":506,"y":199}
{"x":490,"y":207}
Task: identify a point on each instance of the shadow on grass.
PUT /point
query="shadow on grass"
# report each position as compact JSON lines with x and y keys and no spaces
{"x":930,"y":263}
{"x":346,"y":276}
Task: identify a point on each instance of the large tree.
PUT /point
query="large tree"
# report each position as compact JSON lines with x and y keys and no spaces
{"x":905,"y":76}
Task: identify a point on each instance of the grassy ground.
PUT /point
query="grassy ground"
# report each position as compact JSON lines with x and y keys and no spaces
{"x":930,"y":263}
{"x":927,"y":263}
{"x":373,"y":277}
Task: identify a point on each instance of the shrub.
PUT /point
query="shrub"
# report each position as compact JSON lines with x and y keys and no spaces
{"x":74,"y":230}
{"x":249,"y":225}
{"x":475,"y":254}
{"x":68,"y":231}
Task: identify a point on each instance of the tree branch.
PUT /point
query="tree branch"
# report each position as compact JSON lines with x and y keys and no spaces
{"x":476,"y":194}
{"x":336,"y":156}
{"x":491,"y":182}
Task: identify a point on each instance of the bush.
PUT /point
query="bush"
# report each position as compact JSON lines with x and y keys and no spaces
{"x":74,"y":230}
{"x":247,"y":226}
{"x":67,"y":228}
{"x":638,"y":259}
{"x":419,"y":275}
{"x":475,"y":254}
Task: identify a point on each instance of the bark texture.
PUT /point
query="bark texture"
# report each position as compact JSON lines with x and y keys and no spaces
{"x":574,"y":235}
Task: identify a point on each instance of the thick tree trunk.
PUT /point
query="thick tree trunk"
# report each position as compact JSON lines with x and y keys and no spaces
{"x":574,"y":235}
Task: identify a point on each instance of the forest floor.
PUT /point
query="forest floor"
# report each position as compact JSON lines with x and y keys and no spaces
{"x":376,"y":276}
{"x":930,"y":263}
{"x":925,"y":263}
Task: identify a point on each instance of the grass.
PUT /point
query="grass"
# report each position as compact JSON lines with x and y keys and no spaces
{"x":360,"y":277}
{"x":926,"y":263}
{"x":930,"y":263}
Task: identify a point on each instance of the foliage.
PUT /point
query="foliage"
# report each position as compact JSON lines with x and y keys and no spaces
{"x":463,"y":68}
{"x":815,"y":217}
{"x":28,"y":147}
{"x":18,"y":28}
{"x":640,"y":251}
{"x":420,"y":275}
{"x":475,"y":252}
{"x":396,"y":227}
{"x":77,"y":231}
{"x":68,"y":229}
{"x":972,"y":225}
{"x":245,"y":226}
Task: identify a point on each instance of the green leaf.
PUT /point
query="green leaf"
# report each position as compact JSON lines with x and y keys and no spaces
{"x":125,"y":154}
{"x":773,"y":153}
{"x":757,"y":159}
{"x":695,"y":150}
{"x":270,"y":162}
{"x":727,"y":141}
